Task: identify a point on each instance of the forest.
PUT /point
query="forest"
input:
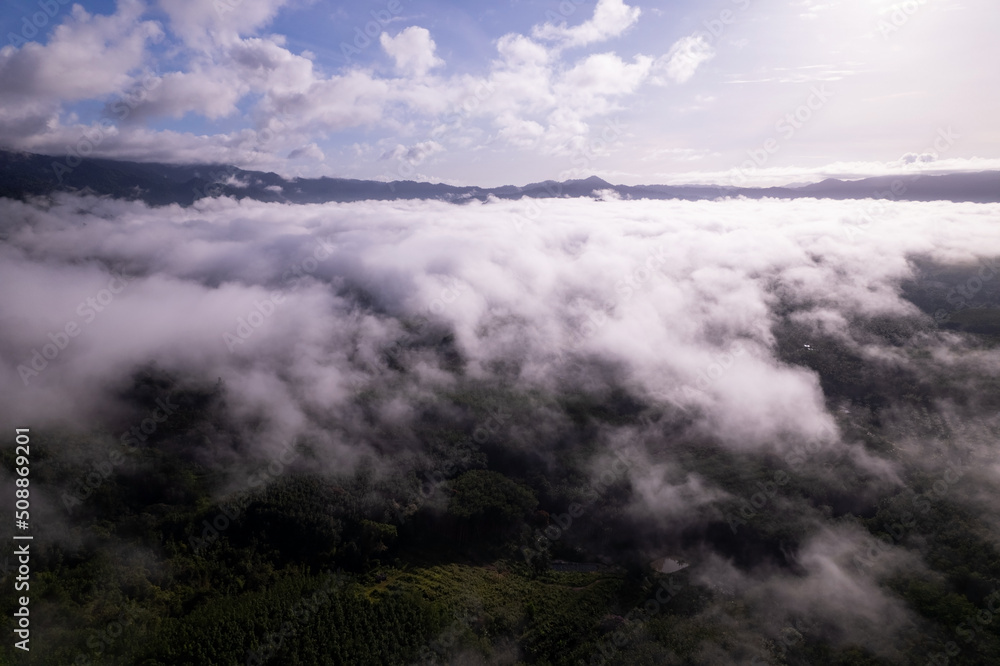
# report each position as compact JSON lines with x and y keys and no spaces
{"x":453,"y":562}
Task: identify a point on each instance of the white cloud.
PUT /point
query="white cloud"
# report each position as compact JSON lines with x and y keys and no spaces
{"x":611,"y":18}
{"x":268,"y":66}
{"x":534,"y":95}
{"x":683,"y":59}
{"x":308,"y":152}
{"x":353,"y":99}
{"x":86,"y":57}
{"x":412,"y":50}
{"x":712,"y":286}
{"x":529,"y":97}
{"x":212,"y":92}
{"x":518,"y":51}
{"x":520,"y":132}
{"x":601,"y":76}
{"x":907,"y":165}
{"x":414,"y":154}
{"x":204,"y":24}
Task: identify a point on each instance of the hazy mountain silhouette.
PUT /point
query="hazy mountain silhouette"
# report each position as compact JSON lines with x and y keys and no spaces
{"x":25,"y":174}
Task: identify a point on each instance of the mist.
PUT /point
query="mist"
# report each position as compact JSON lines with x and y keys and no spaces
{"x":340,"y":326}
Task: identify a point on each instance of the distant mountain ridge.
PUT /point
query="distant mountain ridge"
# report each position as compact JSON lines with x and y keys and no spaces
{"x":27,"y":174}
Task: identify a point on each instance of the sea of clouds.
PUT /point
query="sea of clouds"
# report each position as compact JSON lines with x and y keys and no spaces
{"x":297,"y":307}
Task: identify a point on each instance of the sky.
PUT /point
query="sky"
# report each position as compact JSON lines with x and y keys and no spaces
{"x":752,"y":92}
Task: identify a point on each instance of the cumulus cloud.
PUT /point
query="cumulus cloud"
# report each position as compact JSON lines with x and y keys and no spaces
{"x":530,"y":97}
{"x":683,"y":60}
{"x":308,"y":152}
{"x":412,"y":50}
{"x":205,"y":25}
{"x":87,"y":56}
{"x":414,"y":154}
{"x":211,"y":92}
{"x":611,"y":19}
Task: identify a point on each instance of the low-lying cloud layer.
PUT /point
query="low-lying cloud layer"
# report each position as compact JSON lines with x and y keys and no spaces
{"x":684,"y":306}
{"x":673,"y":292}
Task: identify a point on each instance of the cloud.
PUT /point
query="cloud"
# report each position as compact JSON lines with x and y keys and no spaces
{"x":914,"y":158}
{"x":268,"y":66}
{"x":219,"y":60}
{"x":529,"y":98}
{"x":674,"y":288}
{"x":600,"y":76}
{"x":683,"y":59}
{"x":693,"y":311}
{"x":86,"y":56}
{"x":412,"y":50}
{"x":611,"y":19}
{"x":518,"y":51}
{"x":911,"y":164}
{"x":414,"y":154}
{"x":339,"y":102}
{"x":212,"y":92}
{"x":309,"y":152}
{"x":828,"y":597}
{"x":204,"y":25}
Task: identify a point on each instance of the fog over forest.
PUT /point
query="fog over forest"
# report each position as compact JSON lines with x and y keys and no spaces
{"x":790,"y":397}
{"x":540,"y":333}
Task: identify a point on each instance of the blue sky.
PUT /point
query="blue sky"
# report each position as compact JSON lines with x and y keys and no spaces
{"x":727,"y":91}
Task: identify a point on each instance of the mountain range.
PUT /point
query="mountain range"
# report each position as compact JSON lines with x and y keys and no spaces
{"x":25,"y":174}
